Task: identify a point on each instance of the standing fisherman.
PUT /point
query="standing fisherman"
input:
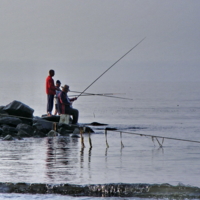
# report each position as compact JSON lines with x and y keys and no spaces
{"x":50,"y":91}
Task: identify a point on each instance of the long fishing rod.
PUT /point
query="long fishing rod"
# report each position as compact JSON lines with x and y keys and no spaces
{"x":110,"y":67}
{"x":101,"y":94}
{"x":85,"y":95}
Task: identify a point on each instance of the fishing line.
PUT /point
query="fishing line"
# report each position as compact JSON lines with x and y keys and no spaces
{"x":102,"y":95}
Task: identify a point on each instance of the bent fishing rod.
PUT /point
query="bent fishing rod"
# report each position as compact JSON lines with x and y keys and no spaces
{"x":110,"y":67}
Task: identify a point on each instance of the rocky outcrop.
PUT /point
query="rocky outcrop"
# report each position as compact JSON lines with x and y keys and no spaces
{"x":12,"y":121}
{"x":2,"y":111}
{"x":9,"y":130}
{"x":42,"y":125}
{"x":17,"y":108}
{"x":26,"y":128}
{"x":17,"y":121}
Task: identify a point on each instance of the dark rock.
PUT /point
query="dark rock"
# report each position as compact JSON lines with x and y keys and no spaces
{"x":42,"y":125}
{"x":22,"y":133}
{"x":21,"y":188}
{"x":13,"y":121}
{"x":52,"y":133}
{"x":111,"y":129}
{"x":69,"y":190}
{"x":27,"y":128}
{"x":64,"y":131}
{"x":88,"y":129}
{"x":38,"y":134}
{"x":1,"y":131}
{"x":9,"y":130}
{"x":75,"y":136}
{"x":97,"y":124}
{"x":2,"y":112}
{"x":8,"y":137}
{"x":26,"y":121}
{"x":76,"y":131}
{"x":19,"y":137}
{"x":6,"y":187}
{"x":53,"y":118}
{"x":18,"y":109}
{"x":71,"y":127}
{"x":38,"y":188}
{"x":66,"y":127}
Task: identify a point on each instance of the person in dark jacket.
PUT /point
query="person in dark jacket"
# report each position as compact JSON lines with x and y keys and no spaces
{"x":65,"y":104}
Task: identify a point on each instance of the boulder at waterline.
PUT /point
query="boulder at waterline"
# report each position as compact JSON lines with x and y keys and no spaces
{"x":64,"y":131}
{"x":38,"y":133}
{"x":52,"y":133}
{"x":13,"y":121}
{"x":18,"y":108}
{"x":8,"y":137}
{"x":17,"y":120}
{"x":9,"y":130}
{"x":97,"y":124}
{"x":2,"y":112}
{"x":76,"y":131}
{"x":72,"y":127}
{"x":26,"y":128}
{"x":75,"y":136}
{"x":22,"y":133}
{"x":42,"y":125}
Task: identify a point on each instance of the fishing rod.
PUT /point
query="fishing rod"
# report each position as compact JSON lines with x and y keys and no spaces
{"x":85,"y":95}
{"x":110,"y":67}
{"x":101,"y":94}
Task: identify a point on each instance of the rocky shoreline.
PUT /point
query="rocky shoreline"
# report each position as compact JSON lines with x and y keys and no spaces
{"x":17,"y":122}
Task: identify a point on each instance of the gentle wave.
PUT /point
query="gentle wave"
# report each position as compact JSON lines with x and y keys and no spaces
{"x":104,"y":190}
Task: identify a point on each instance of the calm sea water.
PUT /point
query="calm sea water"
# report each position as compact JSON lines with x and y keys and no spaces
{"x":159,"y":109}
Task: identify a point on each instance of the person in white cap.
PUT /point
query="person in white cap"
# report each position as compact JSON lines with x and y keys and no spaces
{"x":65,"y":104}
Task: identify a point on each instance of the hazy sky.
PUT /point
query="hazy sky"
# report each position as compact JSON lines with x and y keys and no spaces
{"x":93,"y":34}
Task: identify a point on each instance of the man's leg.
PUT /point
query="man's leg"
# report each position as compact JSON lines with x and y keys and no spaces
{"x":49,"y":103}
{"x":74,"y":113}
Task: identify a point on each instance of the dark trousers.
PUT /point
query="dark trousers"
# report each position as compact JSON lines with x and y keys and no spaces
{"x":50,"y":98}
{"x":74,"y":112}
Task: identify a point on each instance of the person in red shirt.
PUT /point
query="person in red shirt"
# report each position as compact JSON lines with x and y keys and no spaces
{"x":50,"y":91}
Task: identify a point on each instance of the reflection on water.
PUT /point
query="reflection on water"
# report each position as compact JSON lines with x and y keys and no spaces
{"x":61,"y":159}
{"x":38,"y":159}
{"x":64,"y":160}
{"x":57,"y":157}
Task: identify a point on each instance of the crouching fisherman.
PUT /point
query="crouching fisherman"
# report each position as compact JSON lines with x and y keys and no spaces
{"x":65,"y":104}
